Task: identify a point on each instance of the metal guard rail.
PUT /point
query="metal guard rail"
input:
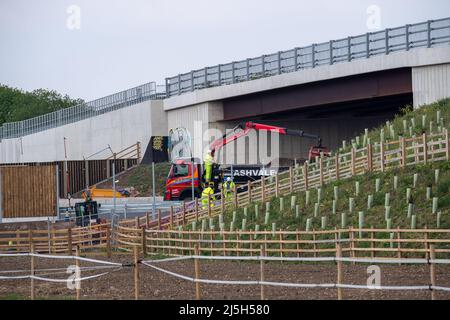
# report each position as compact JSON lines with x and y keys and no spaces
{"x":426,"y":34}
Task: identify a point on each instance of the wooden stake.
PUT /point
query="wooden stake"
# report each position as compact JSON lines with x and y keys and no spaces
{"x":144,"y":242}
{"x":425,"y":148}
{"x":425,"y":242}
{"x":353,"y":161}
{"x":263,"y":189}
{"x":321,"y":170}
{"x":235,"y":197}
{"x":69,"y":241}
{"x":77,"y":264}
{"x":196,"y":209}
{"x":382,"y":155}
{"x":262,"y":263}
{"x":159,"y":219}
{"x":147,"y":219}
{"x":32,"y":271}
{"x":403,"y":147}
{"x":277,"y":186}
{"x":30,"y":239}
{"x":338,"y":174}
{"x":447,"y":147}
{"x":340,"y":275}
{"x":433,"y":271}
{"x":171,"y":217}
{"x":197,"y":273}
{"x":291,"y":180}
{"x":136,"y":272}
{"x":209,"y":208}
{"x":372,"y":245}
{"x":222,"y":201}
{"x":305,"y":172}
{"x":369,"y":158}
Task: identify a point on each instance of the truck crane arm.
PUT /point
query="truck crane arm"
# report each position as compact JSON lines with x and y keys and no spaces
{"x":243,"y":129}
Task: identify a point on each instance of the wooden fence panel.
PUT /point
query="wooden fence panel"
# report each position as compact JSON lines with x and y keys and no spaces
{"x":29,"y":191}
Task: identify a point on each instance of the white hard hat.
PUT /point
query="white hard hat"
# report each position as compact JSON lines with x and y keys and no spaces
{"x":228,"y":179}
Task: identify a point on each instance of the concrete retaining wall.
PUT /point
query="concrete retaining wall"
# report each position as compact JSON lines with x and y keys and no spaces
{"x":119,"y":129}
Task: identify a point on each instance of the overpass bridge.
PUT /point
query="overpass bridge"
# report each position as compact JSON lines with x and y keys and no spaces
{"x":335,"y":89}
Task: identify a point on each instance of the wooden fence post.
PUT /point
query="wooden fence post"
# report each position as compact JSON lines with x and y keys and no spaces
{"x":433,"y":271}
{"x":69,"y":241}
{"x":262,"y":271}
{"x":382,"y":155}
{"x":147,"y":218}
{"x":352,"y":243}
{"x":30,"y":239}
{"x":403,"y":147}
{"x":197,"y":273}
{"x":340,"y":274}
{"x":425,"y":242}
{"x":321,"y":170}
{"x":369,"y":158}
{"x":447,"y":147}
{"x":291,"y":180}
{"x":32,"y":271}
{"x":171,"y":217}
{"x":277,"y":184}
{"x":263,"y":189}
{"x":196,"y":209}
{"x":184,"y":213}
{"x":222,"y":201}
{"x":399,"y":247}
{"x":425,"y":148}
{"x":209,"y":208}
{"x":235,"y":197}
{"x":337,"y":167}
{"x":159,"y":219}
{"x":353,"y":156}
{"x":305,"y":173}
{"x":138,"y":152}
{"x":144,"y":242}
{"x":77,"y":281}
{"x":108,"y":242}
{"x":136,"y":272}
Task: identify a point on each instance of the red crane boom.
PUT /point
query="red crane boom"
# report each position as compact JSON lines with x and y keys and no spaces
{"x":243,"y":129}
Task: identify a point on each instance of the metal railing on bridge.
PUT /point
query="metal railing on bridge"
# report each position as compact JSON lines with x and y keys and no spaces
{"x":148,"y":91}
{"x":427,"y":34}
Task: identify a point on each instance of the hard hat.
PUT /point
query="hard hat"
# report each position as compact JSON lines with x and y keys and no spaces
{"x":211,"y":184}
{"x":228,"y":179}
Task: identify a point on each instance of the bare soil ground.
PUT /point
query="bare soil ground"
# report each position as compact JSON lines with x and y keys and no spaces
{"x":159,"y":286}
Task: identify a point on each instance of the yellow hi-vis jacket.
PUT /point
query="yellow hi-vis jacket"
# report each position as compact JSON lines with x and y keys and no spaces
{"x":208,"y":159}
{"x":228,"y":188}
{"x":207,"y":193}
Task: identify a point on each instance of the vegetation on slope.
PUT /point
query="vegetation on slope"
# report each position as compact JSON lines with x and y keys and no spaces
{"x":432,"y":184}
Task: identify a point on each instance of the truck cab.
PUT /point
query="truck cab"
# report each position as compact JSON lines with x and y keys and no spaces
{"x":179,"y":180}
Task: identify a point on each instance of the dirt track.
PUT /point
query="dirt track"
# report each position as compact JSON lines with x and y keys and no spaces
{"x":156,"y":285}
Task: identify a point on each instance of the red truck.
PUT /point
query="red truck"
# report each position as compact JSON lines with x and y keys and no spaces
{"x":186,"y":172}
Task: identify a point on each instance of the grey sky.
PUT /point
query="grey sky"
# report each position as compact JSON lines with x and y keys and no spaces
{"x":122,"y":44}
